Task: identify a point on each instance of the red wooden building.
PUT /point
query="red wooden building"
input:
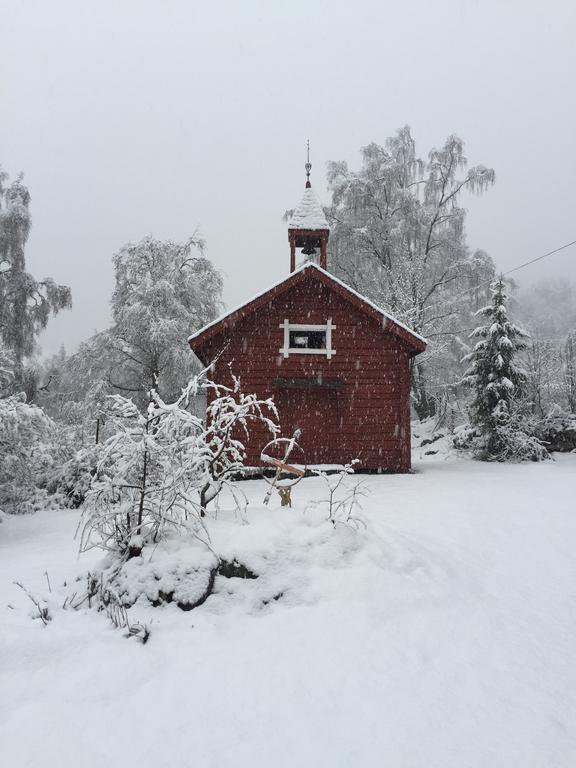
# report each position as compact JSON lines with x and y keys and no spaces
{"x":336,"y":364}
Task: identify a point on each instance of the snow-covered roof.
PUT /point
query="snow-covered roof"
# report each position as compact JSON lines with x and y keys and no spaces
{"x":371,"y":304}
{"x":309,"y":265}
{"x":309,"y":213}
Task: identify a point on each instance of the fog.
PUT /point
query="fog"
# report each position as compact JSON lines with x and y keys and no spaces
{"x":146,"y":117}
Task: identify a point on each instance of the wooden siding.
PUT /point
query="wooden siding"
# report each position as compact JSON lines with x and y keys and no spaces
{"x":367,"y":418}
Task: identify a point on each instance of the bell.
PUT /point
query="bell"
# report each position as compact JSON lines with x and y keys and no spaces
{"x":309,"y":250}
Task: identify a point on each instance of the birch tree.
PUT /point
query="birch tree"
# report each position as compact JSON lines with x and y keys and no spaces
{"x":398,"y":236}
{"x":164,"y":291}
{"x":26,"y":304}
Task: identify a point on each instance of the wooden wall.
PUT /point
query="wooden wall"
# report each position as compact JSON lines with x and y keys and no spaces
{"x":367,"y":418}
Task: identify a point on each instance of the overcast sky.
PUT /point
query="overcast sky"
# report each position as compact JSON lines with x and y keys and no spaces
{"x":134,"y":117}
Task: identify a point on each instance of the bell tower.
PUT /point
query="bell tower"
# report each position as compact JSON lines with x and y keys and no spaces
{"x":308,"y":229}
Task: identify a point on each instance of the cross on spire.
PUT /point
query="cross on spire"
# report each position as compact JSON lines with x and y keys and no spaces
{"x":308,"y":165}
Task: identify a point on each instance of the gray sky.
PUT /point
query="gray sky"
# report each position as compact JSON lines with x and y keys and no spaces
{"x":136,"y":117}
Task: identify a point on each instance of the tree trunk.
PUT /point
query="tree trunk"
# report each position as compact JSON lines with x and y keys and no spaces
{"x":424,"y":403}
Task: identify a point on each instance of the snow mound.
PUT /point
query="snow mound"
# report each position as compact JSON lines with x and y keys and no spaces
{"x":181,"y":574}
{"x":251,"y":562}
{"x":245,"y":563}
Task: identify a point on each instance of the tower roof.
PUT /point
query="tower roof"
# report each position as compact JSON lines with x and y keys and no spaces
{"x":309,"y":213}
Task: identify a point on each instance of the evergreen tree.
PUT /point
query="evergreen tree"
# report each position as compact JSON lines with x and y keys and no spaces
{"x":25,"y":303}
{"x":493,"y":373}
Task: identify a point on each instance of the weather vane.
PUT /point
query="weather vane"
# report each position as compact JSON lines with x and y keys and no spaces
{"x":308,"y":165}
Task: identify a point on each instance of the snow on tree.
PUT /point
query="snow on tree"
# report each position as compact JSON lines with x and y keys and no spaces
{"x":498,"y":382}
{"x":398,"y":237}
{"x":548,"y":309}
{"x":544,"y":373}
{"x":27,"y":452}
{"x":75,"y":388}
{"x":6,"y":370}
{"x":164,"y":290}
{"x":26,"y":304}
{"x":163,"y":466}
{"x":42,"y":465}
{"x":227,"y":420}
{"x":138,"y":491}
{"x":568,"y":381}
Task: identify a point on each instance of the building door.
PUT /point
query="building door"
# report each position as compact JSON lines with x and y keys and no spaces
{"x":315,"y":413}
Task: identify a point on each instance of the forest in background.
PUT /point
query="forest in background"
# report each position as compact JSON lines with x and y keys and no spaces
{"x":398,"y":236}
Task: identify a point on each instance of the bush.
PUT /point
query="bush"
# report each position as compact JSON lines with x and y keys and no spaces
{"x":27,"y":438}
{"x":40,"y":467}
{"x":512,"y":440}
{"x":515,"y":443}
{"x":558,"y":432}
{"x":69,"y":482}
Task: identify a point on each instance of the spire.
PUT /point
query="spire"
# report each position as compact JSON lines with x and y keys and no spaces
{"x":308,"y":166}
{"x":308,"y":228}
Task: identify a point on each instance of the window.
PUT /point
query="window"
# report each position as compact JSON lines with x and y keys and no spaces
{"x":300,"y":339}
{"x":307,"y":339}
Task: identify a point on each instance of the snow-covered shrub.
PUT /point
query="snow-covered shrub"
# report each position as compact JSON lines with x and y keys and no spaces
{"x":42,"y":609}
{"x":70,"y":480}
{"x":39,"y":463}
{"x":147,"y":475}
{"x":465,"y":437}
{"x":161,"y":468}
{"x":342,"y":495}
{"x":176,"y":573}
{"x":99,"y":593}
{"x":517,"y":441}
{"x":29,"y":442}
{"x":558,"y":431}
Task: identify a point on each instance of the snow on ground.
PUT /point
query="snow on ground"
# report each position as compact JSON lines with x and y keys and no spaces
{"x":443,"y":635}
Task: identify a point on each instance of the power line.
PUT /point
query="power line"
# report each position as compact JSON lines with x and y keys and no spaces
{"x":520,"y":266}
{"x":538,"y":258}
{"x":503,"y":274}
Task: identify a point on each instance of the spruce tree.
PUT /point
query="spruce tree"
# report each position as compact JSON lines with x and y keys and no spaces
{"x":493,"y":374}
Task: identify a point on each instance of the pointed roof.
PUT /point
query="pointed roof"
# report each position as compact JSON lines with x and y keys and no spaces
{"x":413,"y":341}
{"x":309,"y":213}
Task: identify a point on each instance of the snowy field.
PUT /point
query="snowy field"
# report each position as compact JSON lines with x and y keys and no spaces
{"x":442,"y":636}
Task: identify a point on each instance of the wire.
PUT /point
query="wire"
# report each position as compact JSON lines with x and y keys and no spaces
{"x":538,"y":258}
{"x":491,"y":280}
{"x":520,"y":266}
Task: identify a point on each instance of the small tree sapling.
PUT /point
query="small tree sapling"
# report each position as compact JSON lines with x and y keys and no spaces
{"x":343,"y":495}
{"x":163,"y":467}
{"x":148,"y":475}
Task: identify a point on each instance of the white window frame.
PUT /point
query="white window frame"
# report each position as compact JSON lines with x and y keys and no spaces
{"x":287,"y":350}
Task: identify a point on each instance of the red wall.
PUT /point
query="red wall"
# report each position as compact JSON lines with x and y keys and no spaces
{"x":368,"y":418}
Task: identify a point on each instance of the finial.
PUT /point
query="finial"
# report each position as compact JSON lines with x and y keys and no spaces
{"x":308,"y":165}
